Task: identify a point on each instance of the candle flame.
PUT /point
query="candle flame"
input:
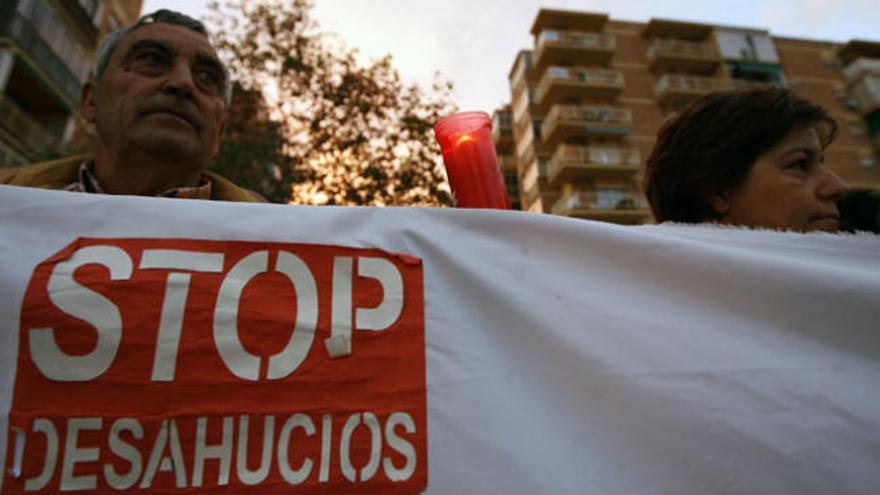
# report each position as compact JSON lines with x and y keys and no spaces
{"x":464,"y":138}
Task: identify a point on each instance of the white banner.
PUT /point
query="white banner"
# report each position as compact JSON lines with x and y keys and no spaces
{"x":560,"y":356}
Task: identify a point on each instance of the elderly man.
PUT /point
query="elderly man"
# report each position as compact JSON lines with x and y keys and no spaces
{"x":157,"y":101}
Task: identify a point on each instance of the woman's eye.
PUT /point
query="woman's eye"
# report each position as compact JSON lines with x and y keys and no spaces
{"x":802,"y":164}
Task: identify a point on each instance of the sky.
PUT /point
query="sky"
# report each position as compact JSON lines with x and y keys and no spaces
{"x":473,"y":42}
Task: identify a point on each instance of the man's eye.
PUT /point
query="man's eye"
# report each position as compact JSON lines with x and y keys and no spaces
{"x":151,"y":58}
{"x":210,"y":79}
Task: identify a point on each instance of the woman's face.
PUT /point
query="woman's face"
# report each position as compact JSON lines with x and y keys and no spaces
{"x":788,"y":187}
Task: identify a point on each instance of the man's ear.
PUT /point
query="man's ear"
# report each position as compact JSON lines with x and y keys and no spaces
{"x":720,"y":203}
{"x":87,"y":101}
{"x":221,"y":134}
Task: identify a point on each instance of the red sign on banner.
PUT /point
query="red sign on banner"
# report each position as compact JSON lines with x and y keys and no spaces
{"x":182,"y":366}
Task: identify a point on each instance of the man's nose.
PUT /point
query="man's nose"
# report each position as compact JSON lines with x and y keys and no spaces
{"x":831,"y":187}
{"x":179,"y":81}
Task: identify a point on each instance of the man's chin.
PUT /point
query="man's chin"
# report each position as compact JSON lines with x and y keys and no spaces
{"x":169,"y":145}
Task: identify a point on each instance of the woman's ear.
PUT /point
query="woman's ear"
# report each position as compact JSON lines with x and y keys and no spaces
{"x":720,"y":203}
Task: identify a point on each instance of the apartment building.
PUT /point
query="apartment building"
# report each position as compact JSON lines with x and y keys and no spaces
{"x":502,"y":135}
{"x":588,"y":98}
{"x":46,"y":52}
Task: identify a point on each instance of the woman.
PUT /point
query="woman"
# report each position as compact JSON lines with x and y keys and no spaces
{"x":747,"y":157}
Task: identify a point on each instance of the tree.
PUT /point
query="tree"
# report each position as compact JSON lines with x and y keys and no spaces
{"x":251,"y":154}
{"x":346,"y":133}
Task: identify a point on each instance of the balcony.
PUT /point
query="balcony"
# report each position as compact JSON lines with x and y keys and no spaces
{"x":677,"y":88}
{"x":17,"y":122}
{"x":572,"y":163}
{"x":867,"y":94}
{"x":83,"y":13}
{"x":860,"y":68}
{"x":683,"y":56}
{"x":511,"y":184}
{"x":18,"y":28}
{"x":566,"y":121}
{"x":747,"y":83}
{"x":563,"y":83}
{"x":507,"y":162}
{"x":534,"y":179}
{"x":856,"y":49}
{"x":523,"y":71}
{"x":616,"y":205}
{"x":567,"y":19}
{"x":502,"y":131}
{"x":559,"y":47}
{"x":665,"y":28}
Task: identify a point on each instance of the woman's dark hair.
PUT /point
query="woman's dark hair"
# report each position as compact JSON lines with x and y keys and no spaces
{"x":860,"y":211}
{"x":709,"y":147}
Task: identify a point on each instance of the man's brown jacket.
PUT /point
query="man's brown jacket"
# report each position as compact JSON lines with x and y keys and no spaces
{"x":58,"y":174}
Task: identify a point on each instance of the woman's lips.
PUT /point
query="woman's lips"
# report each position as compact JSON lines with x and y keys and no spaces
{"x":829,"y":223}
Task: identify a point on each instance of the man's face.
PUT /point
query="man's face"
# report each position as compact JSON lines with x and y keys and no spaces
{"x":162,"y":93}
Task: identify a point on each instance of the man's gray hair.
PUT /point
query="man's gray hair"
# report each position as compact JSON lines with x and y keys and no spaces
{"x":109,"y":43}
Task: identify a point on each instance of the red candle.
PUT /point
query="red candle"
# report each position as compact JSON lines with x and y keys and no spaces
{"x":471,"y":165}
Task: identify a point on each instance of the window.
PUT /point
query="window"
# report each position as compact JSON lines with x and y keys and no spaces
{"x":57,"y":34}
{"x":612,"y":198}
{"x":857,"y":130}
{"x":559,"y":72}
{"x":502,"y":120}
{"x":756,"y":72}
{"x":510,"y":183}
{"x":753,"y":46}
{"x":548,"y":35}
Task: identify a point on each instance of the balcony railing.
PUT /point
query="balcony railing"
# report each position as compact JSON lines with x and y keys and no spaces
{"x":590,"y":40}
{"x":565,"y":121}
{"x":681,"y":48}
{"x":572,"y":82}
{"x":586,"y":75}
{"x":683,"y":56}
{"x":18,"y":27}
{"x":83,"y":12}
{"x":506,"y":162}
{"x":613,"y":205}
{"x":867,"y":94}
{"x":689,"y":86}
{"x":511,"y":184}
{"x":553,"y":45}
{"x":534,"y":173}
{"x":747,"y":83}
{"x":9,"y":157}
{"x":18,"y":123}
{"x":860,"y":68}
{"x":591,"y":160}
{"x":501,"y":132}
